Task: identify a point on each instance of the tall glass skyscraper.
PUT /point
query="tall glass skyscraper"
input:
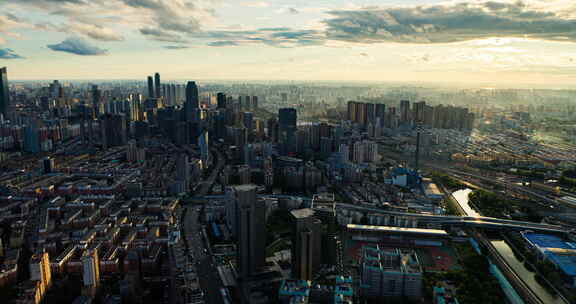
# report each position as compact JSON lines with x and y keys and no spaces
{"x":157,"y":85}
{"x":192,"y":95}
{"x":287,"y":119}
{"x":150,"y":87}
{"x":4,"y":94}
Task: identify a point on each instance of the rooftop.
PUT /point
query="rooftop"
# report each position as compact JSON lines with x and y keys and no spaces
{"x":397,"y":229}
{"x":295,"y":288}
{"x":302,"y":213}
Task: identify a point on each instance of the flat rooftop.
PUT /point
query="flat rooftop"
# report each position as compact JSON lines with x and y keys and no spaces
{"x":437,"y":232}
{"x":302,"y":213}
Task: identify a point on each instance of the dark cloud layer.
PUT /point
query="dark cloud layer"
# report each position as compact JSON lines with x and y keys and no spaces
{"x":77,"y":46}
{"x":9,"y":54}
{"x":448,"y":23}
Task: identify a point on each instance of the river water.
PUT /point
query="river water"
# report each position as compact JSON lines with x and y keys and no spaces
{"x":462,"y":197}
{"x":527,"y":276}
{"x":506,"y":252}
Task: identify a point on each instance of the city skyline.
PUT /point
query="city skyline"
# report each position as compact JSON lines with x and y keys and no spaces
{"x":503,"y":42}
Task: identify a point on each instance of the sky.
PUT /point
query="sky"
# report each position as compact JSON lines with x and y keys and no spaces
{"x":476,"y":41}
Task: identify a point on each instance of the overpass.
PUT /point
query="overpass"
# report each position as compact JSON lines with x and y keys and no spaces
{"x":468,"y":221}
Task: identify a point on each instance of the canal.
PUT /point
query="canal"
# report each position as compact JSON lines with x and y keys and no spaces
{"x":461,"y":197}
{"x":505,"y":251}
{"x":527,"y":276}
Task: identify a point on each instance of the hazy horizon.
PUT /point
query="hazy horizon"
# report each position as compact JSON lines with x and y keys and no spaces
{"x":498,"y":43}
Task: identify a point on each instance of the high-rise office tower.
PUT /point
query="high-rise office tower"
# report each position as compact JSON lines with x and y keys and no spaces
{"x":251,"y":230}
{"x":254,"y":102}
{"x":204,"y":144}
{"x":173,"y":96}
{"x":221,"y":100}
{"x":192,"y":95}
{"x":418,"y":115}
{"x":150,"y":87}
{"x":96,"y":100}
{"x":113,"y":129}
{"x":287,"y":120}
{"x":306,"y":244}
{"x":4,"y":92}
{"x":167,"y":95}
{"x":157,"y":85}
{"x":191,"y":106}
{"x":404,"y":111}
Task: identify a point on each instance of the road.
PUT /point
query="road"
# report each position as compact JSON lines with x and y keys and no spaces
{"x":195,"y":237}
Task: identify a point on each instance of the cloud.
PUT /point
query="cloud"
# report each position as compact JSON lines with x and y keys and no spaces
{"x":96,"y":32}
{"x":77,"y":46}
{"x":293,"y":11}
{"x":95,"y":18}
{"x":255,"y":4}
{"x":176,"y":47}
{"x":450,"y":23}
{"x":9,"y":54}
{"x":160,"y":35}
{"x":170,"y":15}
{"x":223,"y":43}
{"x":277,"y":37}
{"x":10,"y":22}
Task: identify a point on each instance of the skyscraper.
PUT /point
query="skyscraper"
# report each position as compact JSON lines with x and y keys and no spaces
{"x":287,"y":119}
{"x":150,"y":87}
{"x":173,"y":96}
{"x":113,"y":129}
{"x":203,"y":144}
{"x":221,"y":100}
{"x":157,"y":85}
{"x":191,"y":106}
{"x":404,"y":111}
{"x":381,"y":113}
{"x":4,"y":93}
{"x":418,"y":114}
{"x":192,"y":95}
{"x":306,"y":244}
{"x":96,"y":98}
{"x":251,"y":230}
{"x":254,"y":102}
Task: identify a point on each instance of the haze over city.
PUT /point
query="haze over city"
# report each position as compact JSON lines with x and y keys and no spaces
{"x":287,"y":152}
